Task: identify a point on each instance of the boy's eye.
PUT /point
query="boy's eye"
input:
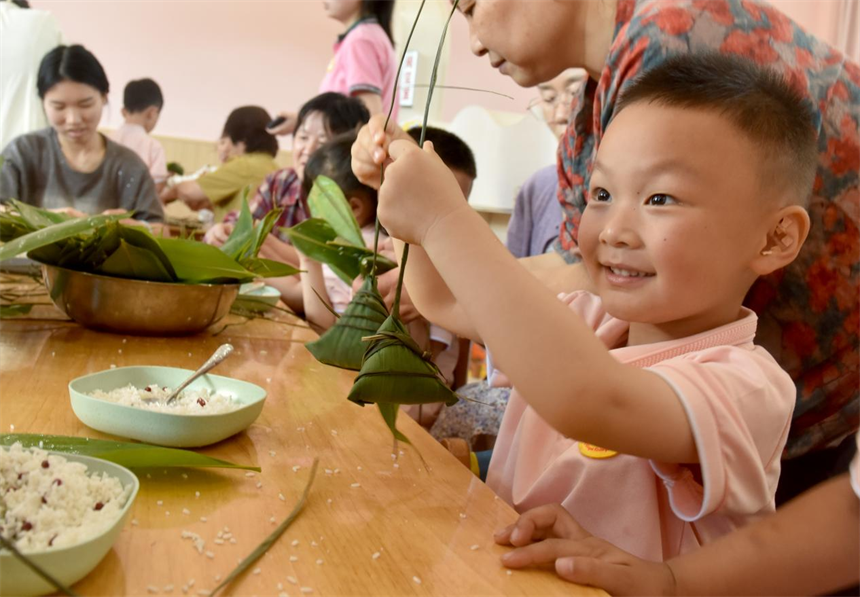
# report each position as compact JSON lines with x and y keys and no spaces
{"x":466,"y":7}
{"x":660,"y":199}
{"x":601,"y":195}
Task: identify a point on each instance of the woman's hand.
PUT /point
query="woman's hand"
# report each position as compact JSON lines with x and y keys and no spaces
{"x":370,"y":149}
{"x":549,"y":536}
{"x":218,"y":234}
{"x":287,"y":127}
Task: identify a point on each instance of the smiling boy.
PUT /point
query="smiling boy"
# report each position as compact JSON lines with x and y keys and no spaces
{"x":645,"y":409}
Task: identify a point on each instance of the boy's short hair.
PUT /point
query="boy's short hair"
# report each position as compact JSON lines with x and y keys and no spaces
{"x":341,"y":113}
{"x":334,"y":160}
{"x":757,"y":100}
{"x":141,"y":94}
{"x":450,"y":148}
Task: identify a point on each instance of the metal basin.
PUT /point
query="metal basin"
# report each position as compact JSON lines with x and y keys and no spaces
{"x":137,"y":307}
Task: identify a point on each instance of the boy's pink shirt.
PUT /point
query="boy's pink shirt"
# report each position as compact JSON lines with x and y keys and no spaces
{"x":363,"y":61}
{"x":739,"y":403}
{"x":150,"y":151}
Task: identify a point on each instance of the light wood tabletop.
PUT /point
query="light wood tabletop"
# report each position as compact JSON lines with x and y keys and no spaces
{"x":372,"y":525}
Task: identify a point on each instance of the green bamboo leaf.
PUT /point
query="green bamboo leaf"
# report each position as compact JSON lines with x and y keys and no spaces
{"x":38,"y":217}
{"x":328,"y":202}
{"x":55,"y":233}
{"x":389,"y":412}
{"x":262,"y":230}
{"x":141,"y":237}
{"x":8,"y":545}
{"x":395,"y":370}
{"x":133,"y":262}
{"x":131,"y":455}
{"x":15,"y":310}
{"x":243,"y":232}
{"x":270,"y":540}
{"x":266,"y":268}
{"x":198,"y":262}
{"x":319,"y":241}
{"x":342,"y":345}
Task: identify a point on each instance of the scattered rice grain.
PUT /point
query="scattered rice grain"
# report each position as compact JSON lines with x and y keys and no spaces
{"x":294,"y":558}
{"x":417,"y":580}
{"x":186,"y":511}
{"x":281,"y":497}
{"x":295,"y":543}
{"x":257,"y":571}
{"x":475,"y":547}
{"x":249,"y":474}
{"x":356,"y":485}
{"x":292,"y":580}
{"x":376,"y":555}
{"x":210,"y":555}
{"x":319,"y":562}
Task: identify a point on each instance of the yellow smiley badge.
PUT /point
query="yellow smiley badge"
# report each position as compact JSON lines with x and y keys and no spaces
{"x":592,"y":451}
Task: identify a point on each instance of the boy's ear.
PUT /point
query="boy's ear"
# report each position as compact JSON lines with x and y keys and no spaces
{"x":125,"y":113}
{"x":152,"y":112}
{"x":783,"y":241}
{"x":359,"y":208}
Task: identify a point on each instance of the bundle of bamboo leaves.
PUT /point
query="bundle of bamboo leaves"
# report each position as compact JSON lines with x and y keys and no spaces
{"x":334,"y":238}
{"x":102,"y":245}
{"x":393,"y":369}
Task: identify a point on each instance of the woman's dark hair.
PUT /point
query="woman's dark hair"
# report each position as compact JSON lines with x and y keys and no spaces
{"x":248,"y":125}
{"x":71,"y":63}
{"x":341,"y":114}
{"x":382,"y":10}
{"x":334,"y":160}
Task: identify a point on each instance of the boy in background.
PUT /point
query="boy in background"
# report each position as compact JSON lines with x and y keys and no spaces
{"x":142,"y":103}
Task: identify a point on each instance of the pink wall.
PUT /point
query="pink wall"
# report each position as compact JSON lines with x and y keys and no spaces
{"x":208,"y":57}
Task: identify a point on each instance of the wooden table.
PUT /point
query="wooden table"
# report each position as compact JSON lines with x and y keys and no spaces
{"x":431,"y":528}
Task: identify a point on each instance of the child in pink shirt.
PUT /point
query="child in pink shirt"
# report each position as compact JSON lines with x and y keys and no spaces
{"x":643,"y":408}
{"x":142,"y":104}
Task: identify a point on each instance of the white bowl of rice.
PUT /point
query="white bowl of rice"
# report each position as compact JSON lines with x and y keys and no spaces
{"x":130,"y":402}
{"x":62,"y":511}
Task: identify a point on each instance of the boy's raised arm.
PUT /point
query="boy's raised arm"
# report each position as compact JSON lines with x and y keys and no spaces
{"x":552,"y":358}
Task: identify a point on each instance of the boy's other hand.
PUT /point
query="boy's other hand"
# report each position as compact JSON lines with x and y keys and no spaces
{"x":419,"y":192}
{"x":370,"y":149}
{"x":549,"y":536}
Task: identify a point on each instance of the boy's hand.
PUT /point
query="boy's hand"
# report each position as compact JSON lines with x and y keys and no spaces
{"x":419,"y":191}
{"x":549,"y":536}
{"x":370,"y":149}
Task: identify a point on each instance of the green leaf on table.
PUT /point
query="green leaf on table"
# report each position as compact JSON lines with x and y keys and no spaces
{"x":263,"y":547}
{"x":128,"y":454}
{"x":129,"y":261}
{"x":243,"y":232}
{"x":327,"y":201}
{"x":15,"y":310}
{"x":55,"y":233}
{"x":198,"y":262}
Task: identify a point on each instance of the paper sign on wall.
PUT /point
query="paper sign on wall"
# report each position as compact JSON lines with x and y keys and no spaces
{"x":406,"y":84}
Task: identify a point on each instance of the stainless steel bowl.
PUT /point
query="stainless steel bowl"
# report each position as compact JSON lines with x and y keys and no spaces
{"x":135,"y":306}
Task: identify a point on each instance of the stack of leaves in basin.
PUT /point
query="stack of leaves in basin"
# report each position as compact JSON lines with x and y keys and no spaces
{"x":332,"y":237}
{"x":103,"y":245}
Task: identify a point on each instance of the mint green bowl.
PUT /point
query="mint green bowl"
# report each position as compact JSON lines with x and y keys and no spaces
{"x":257,"y":299}
{"x":68,"y":564}
{"x":163,"y":429}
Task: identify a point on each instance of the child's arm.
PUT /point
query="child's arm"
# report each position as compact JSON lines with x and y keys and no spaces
{"x":313,"y":293}
{"x":809,"y":547}
{"x":553,"y":359}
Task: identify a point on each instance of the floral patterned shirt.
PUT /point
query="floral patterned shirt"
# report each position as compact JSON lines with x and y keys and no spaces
{"x":281,"y":188}
{"x":808,"y":311}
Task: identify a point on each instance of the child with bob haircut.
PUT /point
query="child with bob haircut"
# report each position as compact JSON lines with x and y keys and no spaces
{"x":644,"y":409}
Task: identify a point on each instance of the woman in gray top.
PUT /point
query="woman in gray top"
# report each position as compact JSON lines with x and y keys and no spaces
{"x":71,"y":166}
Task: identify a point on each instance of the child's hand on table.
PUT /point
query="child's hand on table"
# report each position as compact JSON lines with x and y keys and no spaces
{"x":419,"y":191}
{"x":549,"y":535}
{"x":370,"y":149}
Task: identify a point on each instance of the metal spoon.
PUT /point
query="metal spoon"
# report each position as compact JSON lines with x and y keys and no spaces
{"x":219,"y":355}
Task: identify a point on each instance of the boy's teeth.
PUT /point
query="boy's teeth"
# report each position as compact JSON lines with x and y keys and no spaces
{"x":627,"y":273}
